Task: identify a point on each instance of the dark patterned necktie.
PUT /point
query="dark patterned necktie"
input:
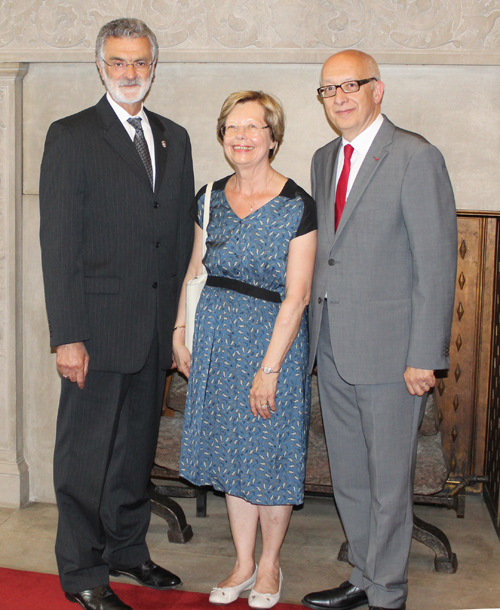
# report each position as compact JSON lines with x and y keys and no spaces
{"x":142,"y":147}
{"x":340,"y":195}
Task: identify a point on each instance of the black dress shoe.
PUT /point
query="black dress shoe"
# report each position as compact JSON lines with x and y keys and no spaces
{"x":150,"y":575}
{"x":343,"y":597}
{"x":403,"y":607}
{"x":98,"y":598}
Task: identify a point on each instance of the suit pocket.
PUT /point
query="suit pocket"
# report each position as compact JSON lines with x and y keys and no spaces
{"x":102,"y":285}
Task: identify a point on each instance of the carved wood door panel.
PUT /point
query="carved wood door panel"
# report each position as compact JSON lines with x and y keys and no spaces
{"x":468,"y":396}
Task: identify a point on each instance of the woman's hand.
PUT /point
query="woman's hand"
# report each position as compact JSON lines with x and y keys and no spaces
{"x":182,"y":356}
{"x":300,"y":265}
{"x":263,"y":393}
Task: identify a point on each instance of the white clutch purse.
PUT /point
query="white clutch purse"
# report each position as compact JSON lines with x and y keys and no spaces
{"x":195,"y":285}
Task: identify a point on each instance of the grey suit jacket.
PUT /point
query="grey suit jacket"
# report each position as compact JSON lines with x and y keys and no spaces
{"x":114,"y":252}
{"x":390,"y":268}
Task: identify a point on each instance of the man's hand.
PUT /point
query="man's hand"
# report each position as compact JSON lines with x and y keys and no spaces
{"x":73,"y":362}
{"x":419,"y":381}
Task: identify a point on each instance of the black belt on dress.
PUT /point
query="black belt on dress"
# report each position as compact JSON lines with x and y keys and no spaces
{"x":244,"y":288}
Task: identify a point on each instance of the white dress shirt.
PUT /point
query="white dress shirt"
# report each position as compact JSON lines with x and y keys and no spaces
{"x":123,"y":115}
{"x":361,"y":145}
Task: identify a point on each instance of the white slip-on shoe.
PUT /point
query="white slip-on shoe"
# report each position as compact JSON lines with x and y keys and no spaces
{"x":227,"y":595}
{"x":265,"y":600}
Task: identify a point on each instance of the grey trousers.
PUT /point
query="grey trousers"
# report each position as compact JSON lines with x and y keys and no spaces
{"x":371,"y":434}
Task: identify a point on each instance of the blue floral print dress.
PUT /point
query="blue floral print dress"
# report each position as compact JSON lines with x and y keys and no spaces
{"x":224,"y":444}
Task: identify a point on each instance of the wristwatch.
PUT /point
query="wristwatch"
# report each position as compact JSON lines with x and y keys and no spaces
{"x":267,"y":370}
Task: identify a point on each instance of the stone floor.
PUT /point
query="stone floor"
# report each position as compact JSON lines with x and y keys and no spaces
{"x":308,"y":557}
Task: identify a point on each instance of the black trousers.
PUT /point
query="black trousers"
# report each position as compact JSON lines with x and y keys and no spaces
{"x":105,"y":446}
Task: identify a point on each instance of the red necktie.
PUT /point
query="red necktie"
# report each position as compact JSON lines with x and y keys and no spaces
{"x":340,"y":195}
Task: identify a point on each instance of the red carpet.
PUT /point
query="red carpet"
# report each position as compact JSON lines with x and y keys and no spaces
{"x":36,"y":591}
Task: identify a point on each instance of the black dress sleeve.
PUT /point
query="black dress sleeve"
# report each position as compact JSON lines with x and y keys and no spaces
{"x":195,"y":206}
{"x":196,"y":210}
{"x":309,"y":220}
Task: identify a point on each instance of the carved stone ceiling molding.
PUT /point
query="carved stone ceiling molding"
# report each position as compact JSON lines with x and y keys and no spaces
{"x":460,"y":31}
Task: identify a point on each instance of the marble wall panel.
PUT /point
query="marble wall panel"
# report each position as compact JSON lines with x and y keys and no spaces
{"x":14,"y":476}
{"x":455,"y":107}
{"x":41,"y":381}
{"x":210,"y":48}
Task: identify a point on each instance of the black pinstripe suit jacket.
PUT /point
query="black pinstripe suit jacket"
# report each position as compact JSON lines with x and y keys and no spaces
{"x":114,"y":253}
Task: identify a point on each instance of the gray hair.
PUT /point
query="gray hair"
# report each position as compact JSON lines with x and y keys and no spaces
{"x":125,"y":28}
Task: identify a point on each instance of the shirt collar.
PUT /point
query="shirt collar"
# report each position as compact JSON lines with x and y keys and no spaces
{"x":364,"y":140}
{"x":123,"y":115}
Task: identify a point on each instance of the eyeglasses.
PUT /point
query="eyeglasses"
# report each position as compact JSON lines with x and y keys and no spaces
{"x":350,"y":86}
{"x":119,"y":65}
{"x":249,"y":130}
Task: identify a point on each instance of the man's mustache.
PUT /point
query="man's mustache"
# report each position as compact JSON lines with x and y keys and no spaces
{"x":129,"y":82}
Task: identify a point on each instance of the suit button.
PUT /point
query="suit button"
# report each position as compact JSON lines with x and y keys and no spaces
{"x":156,"y":204}
{"x":155,"y":285}
{"x":331,"y":262}
{"x":320,"y":300}
{"x":157,"y":244}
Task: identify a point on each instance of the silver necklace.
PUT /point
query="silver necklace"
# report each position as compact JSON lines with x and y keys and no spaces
{"x":265,"y":187}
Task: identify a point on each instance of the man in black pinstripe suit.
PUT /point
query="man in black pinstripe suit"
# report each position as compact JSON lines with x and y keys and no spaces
{"x":116,"y":239}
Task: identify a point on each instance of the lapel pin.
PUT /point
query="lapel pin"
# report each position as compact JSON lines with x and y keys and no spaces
{"x":376,"y":158}
{"x":164,"y":144}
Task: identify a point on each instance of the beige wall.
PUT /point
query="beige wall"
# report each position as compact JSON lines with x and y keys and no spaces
{"x":442,"y":80}
{"x":455,"y":107}
{"x":433,"y":100}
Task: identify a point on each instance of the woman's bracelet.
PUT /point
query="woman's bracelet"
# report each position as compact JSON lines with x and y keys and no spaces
{"x":268,"y":370}
{"x":180,"y":326}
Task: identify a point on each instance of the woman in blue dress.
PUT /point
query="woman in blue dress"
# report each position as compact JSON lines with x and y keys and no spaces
{"x":247,"y":409}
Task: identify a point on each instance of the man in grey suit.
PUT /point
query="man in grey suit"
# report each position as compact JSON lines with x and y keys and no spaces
{"x":116,"y":186}
{"x":380,"y":319}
